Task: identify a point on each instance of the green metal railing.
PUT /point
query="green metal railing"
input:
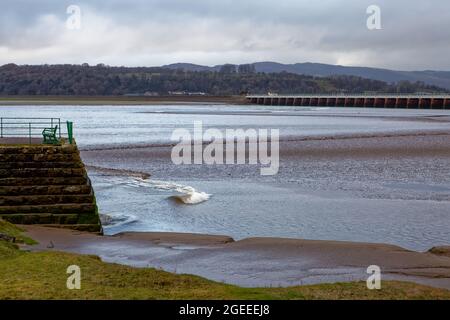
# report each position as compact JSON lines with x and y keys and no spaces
{"x":31,"y":127}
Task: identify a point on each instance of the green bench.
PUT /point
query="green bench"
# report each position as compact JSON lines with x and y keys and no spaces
{"x":49,"y":135}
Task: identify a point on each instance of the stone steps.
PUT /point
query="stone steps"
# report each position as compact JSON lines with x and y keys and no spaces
{"x":40,"y":181}
{"x":41,"y":218}
{"x":39,"y":149}
{"x":41,"y":172}
{"x":30,"y":164}
{"x":66,"y":208}
{"x":46,"y":185}
{"x":29,"y":157}
{"x":44,"y":199}
{"x":45,"y":190}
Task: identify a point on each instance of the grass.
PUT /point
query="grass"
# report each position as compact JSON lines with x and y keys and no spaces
{"x":14,"y":231}
{"x":42,"y":275}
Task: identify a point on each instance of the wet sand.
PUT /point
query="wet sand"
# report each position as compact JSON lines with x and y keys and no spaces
{"x":432,"y":143}
{"x":253,"y":262}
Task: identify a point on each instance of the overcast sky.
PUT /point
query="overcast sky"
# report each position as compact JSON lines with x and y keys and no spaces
{"x":415,"y":35}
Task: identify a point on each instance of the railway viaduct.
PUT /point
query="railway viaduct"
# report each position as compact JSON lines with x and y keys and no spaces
{"x":360,"y":101}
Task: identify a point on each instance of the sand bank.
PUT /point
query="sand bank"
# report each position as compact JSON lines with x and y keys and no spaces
{"x":253,"y":262}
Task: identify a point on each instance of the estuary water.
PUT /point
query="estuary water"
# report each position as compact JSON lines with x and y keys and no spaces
{"x":367,"y":175}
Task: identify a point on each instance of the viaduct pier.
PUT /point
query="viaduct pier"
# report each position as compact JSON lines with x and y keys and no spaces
{"x":359,"y":101}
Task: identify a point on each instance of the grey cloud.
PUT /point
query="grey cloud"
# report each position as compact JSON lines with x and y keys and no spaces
{"x":415,"y":34}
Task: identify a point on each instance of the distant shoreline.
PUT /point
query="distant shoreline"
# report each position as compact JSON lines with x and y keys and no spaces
{"x":119,"y":100}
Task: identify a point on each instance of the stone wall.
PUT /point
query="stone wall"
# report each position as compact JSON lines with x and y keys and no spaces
{"x":42,"y":184}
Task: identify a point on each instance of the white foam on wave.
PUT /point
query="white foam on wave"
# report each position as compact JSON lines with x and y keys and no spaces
{"x":187,"y":194}
{"x":193,"y":197}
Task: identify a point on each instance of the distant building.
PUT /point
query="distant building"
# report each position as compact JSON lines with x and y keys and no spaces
{"x":186,"y":93}
{"x":151,"y":94}
{"x":177,"y":93}
{"x":196,"y":93}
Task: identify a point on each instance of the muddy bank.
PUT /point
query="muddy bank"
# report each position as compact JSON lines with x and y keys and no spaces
{"x":120,"y":100}
{"x":253,"y":262}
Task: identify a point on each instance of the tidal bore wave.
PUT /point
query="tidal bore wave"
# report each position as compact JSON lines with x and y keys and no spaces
{"x":185,"y":194}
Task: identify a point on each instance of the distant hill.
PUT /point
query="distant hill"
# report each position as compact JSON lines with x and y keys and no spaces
{"x":436,"y":78}
{"x":190,"y":67}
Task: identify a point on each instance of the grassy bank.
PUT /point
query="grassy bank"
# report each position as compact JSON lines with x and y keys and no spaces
{"x":25,"y":275}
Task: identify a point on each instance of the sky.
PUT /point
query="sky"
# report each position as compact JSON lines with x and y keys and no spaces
{"x":414,"y":35}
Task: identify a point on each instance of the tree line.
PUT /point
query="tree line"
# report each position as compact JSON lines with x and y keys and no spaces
{"x":101,"y":80}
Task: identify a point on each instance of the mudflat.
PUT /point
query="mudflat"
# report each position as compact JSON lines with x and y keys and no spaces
{"x":253,"y":262}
